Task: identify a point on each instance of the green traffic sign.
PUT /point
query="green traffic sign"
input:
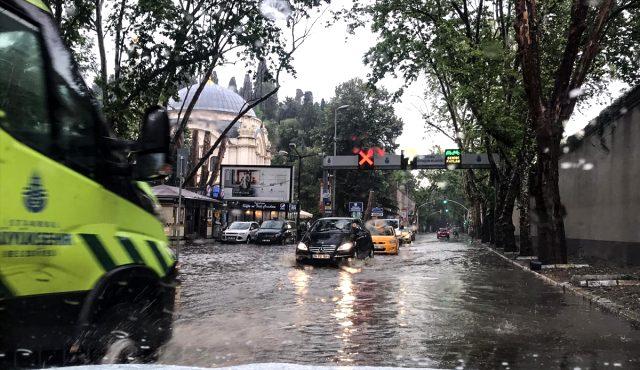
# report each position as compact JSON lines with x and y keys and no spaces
{"x":452,"y":156}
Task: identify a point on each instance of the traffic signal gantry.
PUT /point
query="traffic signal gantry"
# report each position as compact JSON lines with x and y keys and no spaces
{"x":370,"y":159}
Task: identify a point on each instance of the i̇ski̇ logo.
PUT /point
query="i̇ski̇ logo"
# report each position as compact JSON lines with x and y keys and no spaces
{"x":34,"y":195}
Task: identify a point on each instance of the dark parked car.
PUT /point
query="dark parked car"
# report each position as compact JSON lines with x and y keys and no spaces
{"x":334,"y":239}
{"x":276,"y":231}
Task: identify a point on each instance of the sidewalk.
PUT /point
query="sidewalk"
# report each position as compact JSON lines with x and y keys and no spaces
{"x":613,"y":288}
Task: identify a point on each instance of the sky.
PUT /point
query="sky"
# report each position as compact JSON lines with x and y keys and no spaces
{"x":339,"y":56}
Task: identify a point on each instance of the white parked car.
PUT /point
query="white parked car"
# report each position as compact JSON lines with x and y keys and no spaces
{"x":240,"y":232}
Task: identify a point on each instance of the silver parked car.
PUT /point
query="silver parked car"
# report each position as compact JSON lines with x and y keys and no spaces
{"x":240,"y":232}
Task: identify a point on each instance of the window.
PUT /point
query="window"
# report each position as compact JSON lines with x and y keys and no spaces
{"x":23,"y":98}
{"x":77,"y":134}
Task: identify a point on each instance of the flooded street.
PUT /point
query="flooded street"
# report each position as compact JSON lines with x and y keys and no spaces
{"x":437,"y":304}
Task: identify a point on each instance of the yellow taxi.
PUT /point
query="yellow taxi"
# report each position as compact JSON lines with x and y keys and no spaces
{"x":384,"y":239}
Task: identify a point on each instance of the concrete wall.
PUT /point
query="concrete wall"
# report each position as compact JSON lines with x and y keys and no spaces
{"x":600,"y":185}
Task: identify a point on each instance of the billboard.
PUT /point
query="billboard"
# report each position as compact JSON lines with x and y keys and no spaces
{"x":256,"y":183}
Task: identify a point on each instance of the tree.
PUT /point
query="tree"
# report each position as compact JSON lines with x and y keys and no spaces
{"x":564,"y":48}
{"x":232,"y":85}
{"x":369,"y":121}
{"x":246,"y":91}
{"x":461,"y":48}
{"x":158,"y":45}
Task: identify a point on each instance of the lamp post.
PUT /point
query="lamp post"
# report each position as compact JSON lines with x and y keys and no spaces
{"x":294,"y":148}
{"x":335,"y":152}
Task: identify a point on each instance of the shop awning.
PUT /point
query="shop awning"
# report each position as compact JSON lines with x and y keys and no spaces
{"x":305,"y":214}
{"x":171,"y":192}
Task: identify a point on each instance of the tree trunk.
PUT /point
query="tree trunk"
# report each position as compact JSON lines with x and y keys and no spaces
{"x":221,"y":152}
{"x":504,"y":223}
{"x":552,"y":245}
{"x":476,"y":220}
{"x":524,"y":204}
{"x":206,"y":144}
{"x":193,"y":158}
{"x":102,"y":52}
{"x":487,"y":225}
{"x":367,"y":212}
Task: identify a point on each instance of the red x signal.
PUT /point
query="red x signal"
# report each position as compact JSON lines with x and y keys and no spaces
{"x":365,"y":159}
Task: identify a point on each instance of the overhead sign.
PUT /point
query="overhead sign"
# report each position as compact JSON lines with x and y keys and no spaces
{"x":256,"y":183}
{"x":477,"y":160}
{"x":387,"y":161}
{"x":377,"y":212}
{"x":434,"y":161}
{"x":452,"y":157}
{"x":337,"y":162}
{"x":356,"y":207}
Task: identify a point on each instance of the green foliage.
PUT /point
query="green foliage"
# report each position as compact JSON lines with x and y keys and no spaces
{"x":159,"y":45}
{"x":368,"y":121}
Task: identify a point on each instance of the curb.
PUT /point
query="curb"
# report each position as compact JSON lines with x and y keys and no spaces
{"x":604,"y":303}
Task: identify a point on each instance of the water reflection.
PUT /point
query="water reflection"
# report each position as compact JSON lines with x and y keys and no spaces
{"x":300,"y":280}
{"x":343,"y":313}
{"x":442,"y":305}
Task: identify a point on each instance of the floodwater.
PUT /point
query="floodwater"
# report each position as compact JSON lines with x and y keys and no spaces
{"x":436,"y":304}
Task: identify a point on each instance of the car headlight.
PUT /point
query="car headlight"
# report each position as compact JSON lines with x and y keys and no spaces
{"x":345,"y":247}
{"x":302,"y":247}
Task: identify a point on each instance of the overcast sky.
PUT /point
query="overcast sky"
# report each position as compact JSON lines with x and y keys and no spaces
{"x":330,"y":56}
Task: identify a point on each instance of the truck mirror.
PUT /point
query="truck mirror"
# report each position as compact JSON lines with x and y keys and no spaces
{"x":152,"y":152}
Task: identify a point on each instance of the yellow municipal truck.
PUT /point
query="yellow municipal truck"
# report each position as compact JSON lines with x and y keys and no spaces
{"x":86,"y":273}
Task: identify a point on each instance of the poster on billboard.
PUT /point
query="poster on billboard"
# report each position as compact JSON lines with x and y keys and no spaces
{"x":256,"y":183}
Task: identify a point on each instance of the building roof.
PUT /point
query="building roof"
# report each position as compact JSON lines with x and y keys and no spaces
{"x":171,"y":192}
{"x":213,"y":97}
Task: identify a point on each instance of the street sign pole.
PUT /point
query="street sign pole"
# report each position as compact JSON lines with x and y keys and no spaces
{"x":181,"y":172}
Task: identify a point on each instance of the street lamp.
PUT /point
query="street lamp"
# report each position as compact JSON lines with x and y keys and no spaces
{"x":294,"y":148}
{"x":335,"y":152}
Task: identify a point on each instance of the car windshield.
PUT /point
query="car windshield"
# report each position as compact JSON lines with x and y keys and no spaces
{"x":272,"y":224}
{"x":381,"y":231}
{"x":331,"y":224}
{"x":240,"y":226}
{"x":393,"y":223}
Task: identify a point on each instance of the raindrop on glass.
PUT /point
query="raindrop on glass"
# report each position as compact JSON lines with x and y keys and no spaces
{"x":575,"y":93}
{"x":275,"y":9}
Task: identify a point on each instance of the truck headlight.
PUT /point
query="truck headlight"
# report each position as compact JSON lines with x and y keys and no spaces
{"x":302,"y":247}
{"x":345,"y":247}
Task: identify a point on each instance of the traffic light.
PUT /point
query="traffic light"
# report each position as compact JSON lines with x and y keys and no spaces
{"x":365,"y":159}
{"x":445,"y":201}
{"x":446,"y":210}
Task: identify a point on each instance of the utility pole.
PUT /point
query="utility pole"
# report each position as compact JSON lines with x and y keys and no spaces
{"x":335,"y":152}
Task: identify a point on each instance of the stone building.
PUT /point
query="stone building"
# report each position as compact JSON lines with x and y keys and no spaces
{"x":216,"y":107}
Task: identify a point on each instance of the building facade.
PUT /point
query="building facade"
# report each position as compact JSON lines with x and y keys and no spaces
{"x":406,"y":206}
{"x":215,"y":108}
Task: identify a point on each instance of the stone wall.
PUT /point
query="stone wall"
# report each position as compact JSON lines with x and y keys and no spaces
{"x":600,"y":185}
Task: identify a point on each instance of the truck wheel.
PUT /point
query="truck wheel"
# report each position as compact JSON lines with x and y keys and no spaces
{"x":121,"y":334}
{"x":122,"y":351}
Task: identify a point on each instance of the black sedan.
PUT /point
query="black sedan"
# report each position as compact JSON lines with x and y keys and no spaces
{"x":275,"y":231}
{"x":334,"y":239}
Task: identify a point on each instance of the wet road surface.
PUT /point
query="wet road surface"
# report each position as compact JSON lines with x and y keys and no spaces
{"x":437,"y":304}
